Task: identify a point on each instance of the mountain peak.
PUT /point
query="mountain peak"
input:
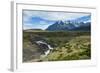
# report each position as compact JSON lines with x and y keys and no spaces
{"x":77,"y":24}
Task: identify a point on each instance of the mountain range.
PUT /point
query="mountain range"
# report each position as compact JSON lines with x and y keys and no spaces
{"x":78,"y":24}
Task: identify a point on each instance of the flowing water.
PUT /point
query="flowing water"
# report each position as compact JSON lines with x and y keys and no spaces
{"x":45,"y":46}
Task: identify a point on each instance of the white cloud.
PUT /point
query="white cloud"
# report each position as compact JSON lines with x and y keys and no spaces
{"x":42,"y":25}
{"x":31,"y":26}
{"x":54,"y":16}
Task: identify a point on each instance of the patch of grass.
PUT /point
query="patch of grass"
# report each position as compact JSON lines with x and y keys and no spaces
{"x":67,"y":46}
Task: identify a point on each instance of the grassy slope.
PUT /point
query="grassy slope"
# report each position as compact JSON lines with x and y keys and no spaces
{"x":68,"y":46}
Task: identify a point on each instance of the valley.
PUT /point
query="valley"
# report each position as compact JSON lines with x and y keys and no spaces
{"x":67,"y":45}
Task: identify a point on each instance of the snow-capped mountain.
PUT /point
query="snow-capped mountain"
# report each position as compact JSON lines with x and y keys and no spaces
{"x":82,"y":23}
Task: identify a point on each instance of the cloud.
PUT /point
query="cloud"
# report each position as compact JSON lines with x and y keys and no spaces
{"x":54,"y":16}
{"x":29,"y":26}
{"x":39,"y":25}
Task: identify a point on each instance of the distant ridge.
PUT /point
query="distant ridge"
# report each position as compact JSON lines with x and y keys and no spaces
{"x":30,"y":30}
{"x":79,"y":24}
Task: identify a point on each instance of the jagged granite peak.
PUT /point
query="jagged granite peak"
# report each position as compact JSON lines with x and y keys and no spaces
{"x":69,"y":26}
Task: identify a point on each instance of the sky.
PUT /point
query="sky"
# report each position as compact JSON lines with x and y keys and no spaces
{"x":33,"y":19}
